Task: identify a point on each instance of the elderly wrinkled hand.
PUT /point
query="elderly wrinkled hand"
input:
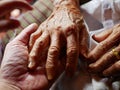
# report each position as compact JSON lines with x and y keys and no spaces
{"x":59,"y":39}
{"x":14,"y":70}
{"x":6,"y":6}
{"x":106,"y":55}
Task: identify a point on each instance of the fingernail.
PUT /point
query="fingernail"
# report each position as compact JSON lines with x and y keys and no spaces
{"x":31,"y":64}
{"x":50,"y":73}
{"x":34,"y":25}
{"x":90,"y":68}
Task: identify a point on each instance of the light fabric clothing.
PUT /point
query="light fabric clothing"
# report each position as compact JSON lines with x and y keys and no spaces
{"x":93,"y":13}
{"x":107,"y":12}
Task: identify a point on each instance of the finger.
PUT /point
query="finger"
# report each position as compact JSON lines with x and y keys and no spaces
{"x":53,"y":55}
{"x":38,"y":49}
{"x":83,"y":42}
{"x":34,"y":37}
{"x":102,"y":36}
{"x":8,"y":24}
{"x":105,"y":61}
{"x":23,"y":37}
{"x":72,"y":51}
{"x":112,"y":40}
{"x":7,"y":6}
{"x":114,"y":70}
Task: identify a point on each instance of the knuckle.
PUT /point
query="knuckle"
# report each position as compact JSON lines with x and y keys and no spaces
{"x":58,"y":28}
{"x":90,"y":56}
{"x":39,"y":42}
{"x":102,"y":46}
{"x":32,"y":35}
{"x":71,"y":29}
{"x":94,"y":67}
{"x":72,"y":51}
{"x":116,"y":26}
{"x":117,"y":65}
{"x":49,"y":64}
{"x":32,"y":38}
{"x":53,"y":51}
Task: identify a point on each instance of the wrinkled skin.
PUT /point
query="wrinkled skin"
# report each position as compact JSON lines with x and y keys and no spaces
{"x":65,"y":36}
{"x":6,"y":6}
{"x":106,"y":55}
{"x":14,"y":67}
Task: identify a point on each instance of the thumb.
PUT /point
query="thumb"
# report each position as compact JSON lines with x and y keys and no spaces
{"x":24,"y":36}
{"x":102,"y":36}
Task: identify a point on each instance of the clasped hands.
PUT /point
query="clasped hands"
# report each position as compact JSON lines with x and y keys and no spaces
{"x":66,"y":38}
{"x":38,"y":55}
{"x":63,"y":38}
{"x":55,"y":46}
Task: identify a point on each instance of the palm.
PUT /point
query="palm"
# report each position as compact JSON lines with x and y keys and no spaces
{"x":14,"y":68}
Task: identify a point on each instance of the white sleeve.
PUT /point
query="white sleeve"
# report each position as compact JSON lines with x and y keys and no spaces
{"x":117,"y":5}
{"x":116,"y":16}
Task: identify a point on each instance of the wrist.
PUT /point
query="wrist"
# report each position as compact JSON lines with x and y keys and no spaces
{"x":64,"y":2}
{"x":4,"y":85}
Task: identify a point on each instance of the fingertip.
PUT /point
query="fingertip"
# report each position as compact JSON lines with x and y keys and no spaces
{"x":32,"y":27}
{"x":91,"y":68}
{"x":32,"y":64}
{"x":107,"y":73}
{"x":96,"y":38}
{"x":35,"y":25}
{"x":102,"y":35}
{"x":50,"y":73}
